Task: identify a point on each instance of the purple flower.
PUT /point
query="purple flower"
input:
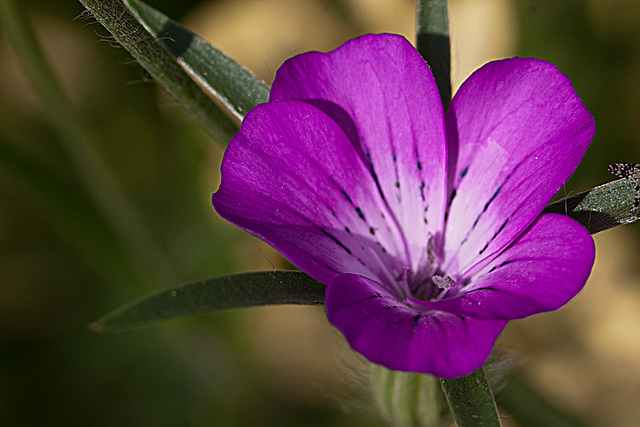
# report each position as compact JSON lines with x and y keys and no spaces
{"x":425,"y":227}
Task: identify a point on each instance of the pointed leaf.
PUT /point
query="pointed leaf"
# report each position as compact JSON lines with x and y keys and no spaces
{"x":233,"y":85}
{"x":163,"y":67}
{"x":602,"y":207}
{"x":218,"y":293}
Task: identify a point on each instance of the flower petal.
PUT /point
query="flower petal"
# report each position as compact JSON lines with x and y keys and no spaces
{"x":382,"y":93}
{"x":516,"y":130}
{"x":392,"y":334}
{"x":546,"y":267}
{"x":291,"y":177}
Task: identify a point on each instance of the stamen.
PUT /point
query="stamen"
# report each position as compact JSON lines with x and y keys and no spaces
{"x":431,"y":250}
{"x":443,"y":282}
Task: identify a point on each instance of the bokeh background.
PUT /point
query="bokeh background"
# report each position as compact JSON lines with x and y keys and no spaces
{"x":63,"y":263}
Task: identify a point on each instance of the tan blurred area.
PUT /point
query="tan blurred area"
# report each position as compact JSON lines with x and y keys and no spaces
{"x":261,"y":34}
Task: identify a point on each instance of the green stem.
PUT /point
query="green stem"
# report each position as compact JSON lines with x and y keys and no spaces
{"x":471,"y":401}
{"x":432,"y":41}
{"x":78,"y":145}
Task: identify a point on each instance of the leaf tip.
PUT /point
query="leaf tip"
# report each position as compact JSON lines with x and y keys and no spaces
{"x":96,"y":326}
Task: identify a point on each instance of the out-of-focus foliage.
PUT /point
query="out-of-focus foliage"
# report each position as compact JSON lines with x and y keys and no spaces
{"x":63,"y":266}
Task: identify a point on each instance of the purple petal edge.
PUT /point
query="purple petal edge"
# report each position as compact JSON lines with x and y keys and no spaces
{"x":291,"y":177}
{"x":542,"y":271}
{"x":516,"y":130}
{"x":389,"y":333}
{"x":382,"y":93}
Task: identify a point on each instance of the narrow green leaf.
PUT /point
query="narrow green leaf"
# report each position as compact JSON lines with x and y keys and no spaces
{"x":602,"y":207}
{"x":432,"y":41}
{"x":471,"y":401}
{"x":163,"y":67}
{"x":234,"y":86}
{"x":218,"y":293}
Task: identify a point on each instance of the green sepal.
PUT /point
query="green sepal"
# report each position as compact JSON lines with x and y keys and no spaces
{"x":406,"y":399}
{"x":602,"y":207}
{"x":214,"y":294}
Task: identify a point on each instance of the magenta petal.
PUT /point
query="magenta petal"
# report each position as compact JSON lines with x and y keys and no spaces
{"x":546,"y":267}
{"x":291,"y":177}
{"x":394,"y":335}
{"x":517,"y":130}
{"x":382,"y":93}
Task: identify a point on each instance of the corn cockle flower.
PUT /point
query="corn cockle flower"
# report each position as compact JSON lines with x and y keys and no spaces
{"x":426,"y":227}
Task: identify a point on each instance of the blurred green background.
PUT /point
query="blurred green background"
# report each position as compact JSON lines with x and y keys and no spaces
{"x":64,"y":261}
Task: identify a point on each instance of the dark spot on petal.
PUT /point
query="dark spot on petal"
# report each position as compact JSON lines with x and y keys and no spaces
{"x":496,"y":234}
{"x":347,"y":230}
{"x":464,"y":172}
{"x":416,"y":318}
{"x":372,"y":230}
{"x":501,"y":228}
{"x":361,"y":262}
{"x":397,"y":184}
{"x":336,"y":241}
{"x":476,"y":221}
{"x":419,"y":165}
{"x":346,"y":196}
{"x":454,"y":192}
{"x":485,"y":288}
{"x":422,"y":185}
{"x":483,"y":249}
{"x":501,"y":265}
{"x":391,"y":307}
{"x":382,"y":248}
{"x":360,"y":214}
{"x":486,"y":206}
{"x":375,"y":176}
{"x":377,"y":295}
